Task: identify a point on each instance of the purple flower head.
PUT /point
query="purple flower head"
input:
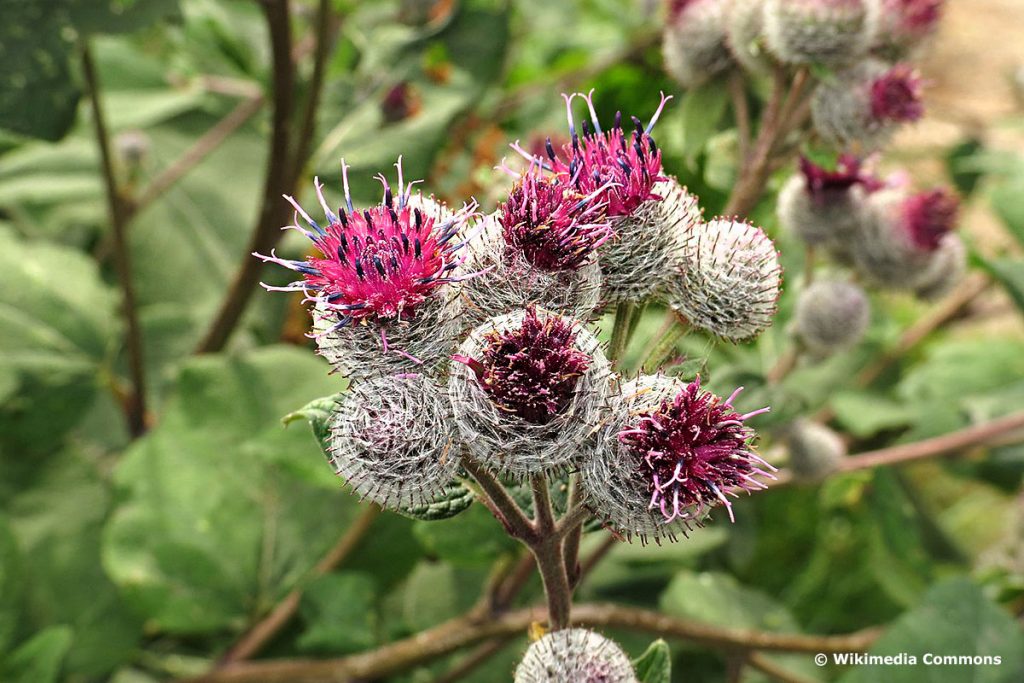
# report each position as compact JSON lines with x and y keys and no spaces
{"x":531,"y":372}
{"x":824,"y":184}
{"x":694,"y":449}
{"x":618,"y":167}
{"x":378,"y":264}
{"x":896,"y":95}
{"x":554,"y":226}
{"x":930,"y":216}
{"x":913,"y":18}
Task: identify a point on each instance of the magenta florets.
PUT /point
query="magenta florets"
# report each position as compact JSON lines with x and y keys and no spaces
{"x":823,"y":185}
{"x":694,"y":449}
{"x":554,"y":226}
{"x":379,"y":263}
{"x":531,"y":372}
{"x":896,"y":95}
{"x":617,"y":167}
{"x":914,"y":17}
{"x":930,"y":216}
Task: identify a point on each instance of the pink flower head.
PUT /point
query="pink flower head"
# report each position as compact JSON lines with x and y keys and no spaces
{"x":896,"y":95}
{"x":694,"y":449}
{"x":378,"y":264}
{"x":912,"y":18}
{"x":620,"y":167}
{"x":930,"y":216}
{"x":532,"y":371}
{"x":554,"y":226}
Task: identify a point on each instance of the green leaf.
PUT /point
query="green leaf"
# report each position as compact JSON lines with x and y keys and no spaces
{"x":1008,"y":202}
{"x":456,"y":499}
{"x":39,"y":660}
{"x":655,"y":664}
{"x":118,"y":16}
{"x":220,"y":515}
{"x":12,"y":579}
{"x":58,"y":321}
{"x":702,"y":109}
{"x":472,"y":539}
{"x":436,"y":591}
{"x":339,"y":612}
{"x":717,"y":598}
{"x":1010,"y":274}
{"x":58,"y":522}
{"x":864,"y":414}
{"x":318,"y":413}
{"x":954,"y":618}
{"x":37,"y":95}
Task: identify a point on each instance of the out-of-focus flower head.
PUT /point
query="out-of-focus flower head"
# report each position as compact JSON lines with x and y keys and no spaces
{"x":574,"y":655}
{"x":905,"y":24}
{"x":820,"y":31}
{"x":694,"y":42}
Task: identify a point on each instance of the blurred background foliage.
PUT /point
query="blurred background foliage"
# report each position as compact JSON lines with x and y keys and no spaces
{"x":142,"y":559}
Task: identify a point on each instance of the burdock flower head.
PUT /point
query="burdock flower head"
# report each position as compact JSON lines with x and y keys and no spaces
{"x":694,"y":42}
{"x":380,"y":281}
{"x":825,"y":31}
{"x":392,"y":441}
{"x":824,"y":206}
{"x":865,"y":104}
{"x":671,"y":452}
{"x":574,"y":655}
{"x":728,"y":279}
{"x":905,"y":24}
{"x":539,"y":247}
{"x":528,"y":389}
{"x":623,"y":168}
{"x":904,"y":235}
{"x":831,"y":315}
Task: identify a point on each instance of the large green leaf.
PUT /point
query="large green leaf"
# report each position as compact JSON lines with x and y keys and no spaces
{"x":39,"y":660}
{"x":118,"y":16}
{"x":58,"y":323}
{"x":12,"y":580}
{"x":224,"y":510}
{"x":58,"y":522}
{"x":339,"y":613}
{"x":955,"y":618}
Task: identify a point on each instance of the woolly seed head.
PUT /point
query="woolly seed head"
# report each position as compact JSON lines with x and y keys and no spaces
{"x":551,"y":223}
{"x":640,"y":260}
{"x":728,"y":280}
{"x":392,"y":441}
{"x":574,"y":656}
{"x":831,"y":315}
{"x":694,"y":42}
{"x":507,"y":281}
{"x":618,"y":167}
{"x":528,"y":389}
{"x":670,"y":453}
{"x":820,"y":31}
{"x":815,"y":451}
{"x":865,"y":104}
{"x":379,"y":264}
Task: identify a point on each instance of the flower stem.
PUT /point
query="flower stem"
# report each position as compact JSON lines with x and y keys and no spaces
{"x":621,"y":330}
{"x":548,"y":551}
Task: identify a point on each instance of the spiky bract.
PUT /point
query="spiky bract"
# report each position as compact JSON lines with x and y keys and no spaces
{"x":820,"y":31}
{"x":824,"y":207}
{"x":574,"y":656}
{"x":729,"y":279}
{"x":528,"y":390}
{"x":392,"y":440}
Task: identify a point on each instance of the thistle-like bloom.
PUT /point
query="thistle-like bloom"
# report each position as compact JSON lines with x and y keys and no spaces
{"x":528,"y":389}
{"x":745,"y":35}
{"x":694,"y":42}
{"x":392,"y":440}
{"x":622,"y":171}
{"x":905,"y":24}
{"x":728,"y":279}
{"x":947,"y":268}
{"x":865,"y":104}
{"x":670,"y":453}
{"x":902,"y":237}
{"x":815,"y":451}
{"x":820,"y":31}
{"x":831,"y":315}
{"x":822,"y":206}
{"x":380,"y":274}
{"x":574,"y":655}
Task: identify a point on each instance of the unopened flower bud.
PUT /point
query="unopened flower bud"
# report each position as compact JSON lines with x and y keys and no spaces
{"x":947,"y":268}
{"x":864,"y":105}
{"x":815,"y":451}
{"x":391,"y":439}
{"x":831,"y":315}
{"x":694,"y":43}
{"x":574,"y":655}
{"x":905,"y":24}
{"x":729,"y":279}
{"x":820,"y":31}
{"x":824,"y":207}
{"x":528,"y":390}
{"x":670,"y":452}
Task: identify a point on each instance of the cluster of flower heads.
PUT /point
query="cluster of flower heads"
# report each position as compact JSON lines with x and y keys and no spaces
{"x":871,"y":91}
{"x":466,"y":335}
